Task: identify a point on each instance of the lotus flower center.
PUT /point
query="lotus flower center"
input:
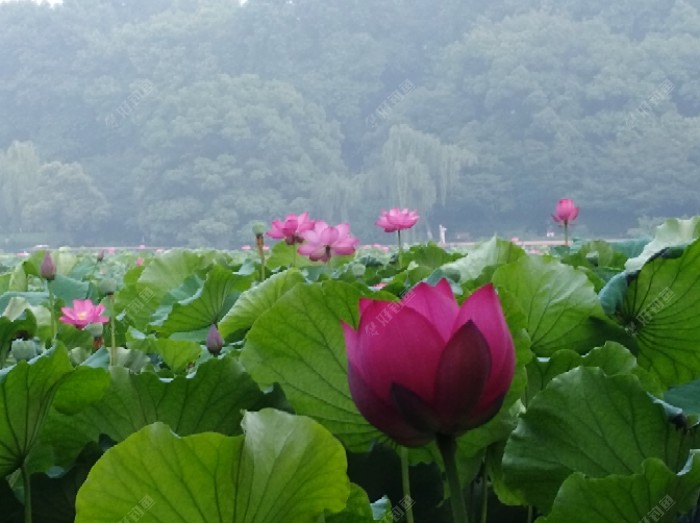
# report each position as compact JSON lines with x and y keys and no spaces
{"x":82,"y":315}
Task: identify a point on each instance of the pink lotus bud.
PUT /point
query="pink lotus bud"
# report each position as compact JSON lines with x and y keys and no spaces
{"x":427,"y":366}
{"x":48,"y":268}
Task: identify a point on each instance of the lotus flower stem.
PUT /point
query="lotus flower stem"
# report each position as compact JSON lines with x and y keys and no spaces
{"x":406,"y":484}
{"x":26,"y":478}
{"x":484,"y":494}
{"x":400,"y":247}
{"x":566,"y":234}
{"x":529,"y":514}
{"x":448,"y":450}
{"x":113,"y":348}
{"x":52,"y":311}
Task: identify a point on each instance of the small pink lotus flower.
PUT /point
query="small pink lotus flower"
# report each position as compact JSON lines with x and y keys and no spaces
{"x":83,"y":313}
{"x":245,"y":247}
{"x":324,"y":241}
{"x":397,"y":219}
{"x":139,"y":261}
{"x":565,"y":211}
{"x":291,"y":228}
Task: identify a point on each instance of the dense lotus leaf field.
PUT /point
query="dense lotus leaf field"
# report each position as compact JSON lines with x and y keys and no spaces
{"x":212,"y":386}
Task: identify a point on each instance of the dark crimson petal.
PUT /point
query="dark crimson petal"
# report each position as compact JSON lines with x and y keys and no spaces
{"x":437,"y":304}
{"x":461,"y":378}
{"x":397,"y":345}
{"x":484,"y":308}
{"x":485,"y":411}
{"x":414,"y":410}
{"x":381,"y":414}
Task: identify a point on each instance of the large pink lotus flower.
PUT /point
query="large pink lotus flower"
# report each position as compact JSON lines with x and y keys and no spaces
{"x":291,"y":228}
{"x":397,"y":219}
{"x":324,"y":241}
{"x":426,"y":366}
{"x":565,"y":211}
{"x":83,"y":313}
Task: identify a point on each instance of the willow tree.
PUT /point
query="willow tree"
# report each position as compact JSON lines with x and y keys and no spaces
{"x":19,"y":173}
{"x":417,"y":170}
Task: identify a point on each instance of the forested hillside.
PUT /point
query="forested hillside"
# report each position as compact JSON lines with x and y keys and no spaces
{"x":179,"y":122}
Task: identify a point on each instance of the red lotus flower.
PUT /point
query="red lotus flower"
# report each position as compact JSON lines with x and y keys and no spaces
{"x":324,"y":241}
{"x":426,"y":366}
{"x":83,"y":313}
{"x":397,"y":219}
{"x":291,"y":228}
{"x":565,"y":211}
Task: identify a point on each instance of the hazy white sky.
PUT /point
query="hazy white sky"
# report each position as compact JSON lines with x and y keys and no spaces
{"x":37,"y":1}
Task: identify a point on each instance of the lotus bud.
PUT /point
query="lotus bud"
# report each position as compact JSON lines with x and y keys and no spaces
{"x":258,"y":229}
{"x":48,"y":268}
{"x":96,"y":329}
{"x":108,"y":286}
{"x":214,"y":341}
{"x":24,"y":350}
{"x":358,"y":270}
{"x":100,"y":255}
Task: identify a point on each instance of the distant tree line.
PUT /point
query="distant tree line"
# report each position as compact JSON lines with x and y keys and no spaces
{"x":180,"y":122}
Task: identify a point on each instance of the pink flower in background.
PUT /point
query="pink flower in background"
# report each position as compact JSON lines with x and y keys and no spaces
{"x":83,"y":313}
{"x":565,"y":211}
{"x":324,"y":241}
{"x":291,"y":228}
{"x":111,"y":250}
{"x":397,"y":219}
{"x":246,"y":247}
{"x":139,"y":261}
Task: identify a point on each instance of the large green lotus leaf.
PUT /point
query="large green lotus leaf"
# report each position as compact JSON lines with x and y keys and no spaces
{"x":655,"y":494}
{"x":492,"y":253}
{"x":209,"y":400}
{"x":12,"y":511}
{"x":686,"y":397}
{"x":283,"y":255}
{"x":286,"y":468}
{"x":68,"y":289}
{"x":33,"y":298}
{"x":357,"y":510}
{"x":429,"y":255}
{"x":299,"y":344}
{"x":28,"y":390}
{"x":612,"y":358}
{"x":671,"y":233}
{"x":24,"y":327}
{"x":176,"y":354}
{"x":257,"y":300}
{"x":206,"y":307}
{"x":145,"y":287}
{"x":662,"y":310}
{"x":561,"y":306}
{"x":588,"y":422}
